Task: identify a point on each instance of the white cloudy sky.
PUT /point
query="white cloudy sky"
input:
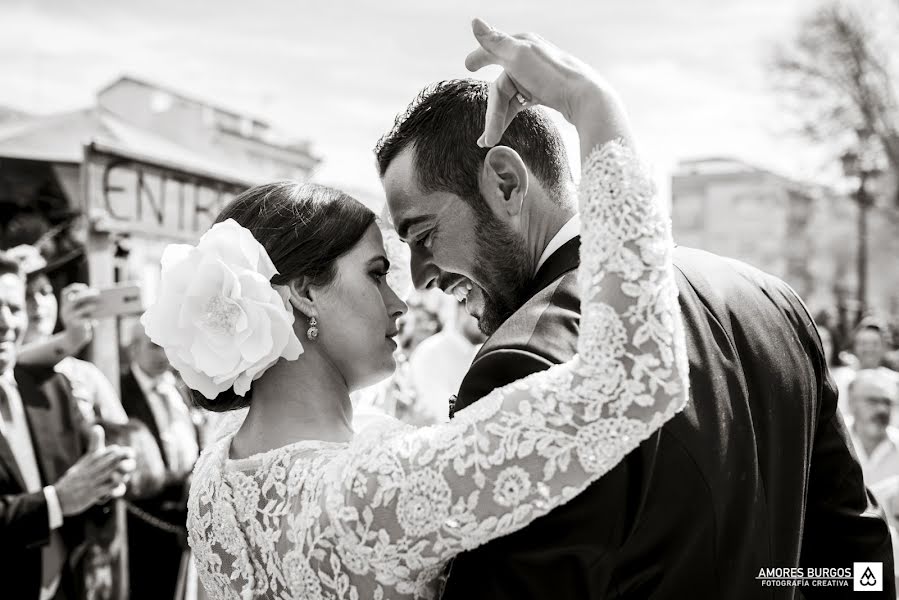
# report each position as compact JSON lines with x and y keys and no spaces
{"x":691,"y":71}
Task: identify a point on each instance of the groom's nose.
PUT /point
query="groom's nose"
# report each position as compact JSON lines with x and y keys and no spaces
{"x":425,"y":273}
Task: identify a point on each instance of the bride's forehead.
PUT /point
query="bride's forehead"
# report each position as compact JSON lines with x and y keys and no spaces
{"x":373,"y":235}
{"x":370,"y":245}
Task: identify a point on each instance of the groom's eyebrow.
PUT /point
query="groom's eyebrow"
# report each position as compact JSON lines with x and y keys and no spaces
{"x":403,"y":229}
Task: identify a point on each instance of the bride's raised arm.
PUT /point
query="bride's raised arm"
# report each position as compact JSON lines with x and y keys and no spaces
{"x":407,"y":500}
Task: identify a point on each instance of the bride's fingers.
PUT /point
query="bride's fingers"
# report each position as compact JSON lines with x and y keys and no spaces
{"x":515,"y":107}
{"x":497,"y":43}
{"x":502,"y":106}
{"x":482,"y":57}
{"x":496,"y":113}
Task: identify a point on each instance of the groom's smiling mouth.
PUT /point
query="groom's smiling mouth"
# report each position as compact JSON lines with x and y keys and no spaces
{"x":470,"y":293}
{"x":462,"y":289}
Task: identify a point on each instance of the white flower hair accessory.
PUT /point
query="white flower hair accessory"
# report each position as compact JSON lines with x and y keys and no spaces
{"x":218,"y":317}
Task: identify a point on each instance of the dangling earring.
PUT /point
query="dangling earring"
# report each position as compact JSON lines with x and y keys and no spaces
{"x":312,"y":332}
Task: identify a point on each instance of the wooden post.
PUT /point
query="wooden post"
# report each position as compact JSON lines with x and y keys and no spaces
{"x":104,"y":348}
{"x":103,"y":351}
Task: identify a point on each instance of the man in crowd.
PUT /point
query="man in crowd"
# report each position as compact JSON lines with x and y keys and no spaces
{"x":51,"y":469}
{"x":872,"y":397}
{"x":869,"y":345}
{"x":95,"y":396}
{"x":156,"y":530}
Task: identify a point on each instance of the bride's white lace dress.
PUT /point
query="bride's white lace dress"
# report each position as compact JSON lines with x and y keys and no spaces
{"x":380,"y":516}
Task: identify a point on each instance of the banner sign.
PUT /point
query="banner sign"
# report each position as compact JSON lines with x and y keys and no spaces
{"x":126,"y":193}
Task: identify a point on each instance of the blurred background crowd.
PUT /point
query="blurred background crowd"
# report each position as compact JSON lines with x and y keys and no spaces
{"x":90,"y":195}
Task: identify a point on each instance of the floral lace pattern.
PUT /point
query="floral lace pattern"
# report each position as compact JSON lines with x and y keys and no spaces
{"x":380,"y":516}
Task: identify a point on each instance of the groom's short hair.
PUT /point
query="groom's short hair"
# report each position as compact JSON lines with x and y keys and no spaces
{"x":443,"y":124}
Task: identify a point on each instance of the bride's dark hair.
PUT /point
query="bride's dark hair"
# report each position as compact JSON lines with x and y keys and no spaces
{"x":305,"y":228}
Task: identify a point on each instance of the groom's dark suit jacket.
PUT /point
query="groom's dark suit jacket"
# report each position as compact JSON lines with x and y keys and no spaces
{"x":756,"y":472}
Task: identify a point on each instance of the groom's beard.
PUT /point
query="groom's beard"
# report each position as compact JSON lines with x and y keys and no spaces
{"x":501,"y":259}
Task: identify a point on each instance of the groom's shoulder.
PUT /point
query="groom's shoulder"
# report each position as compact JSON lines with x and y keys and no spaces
{"x":719,"y":279}
{"x":725,"y":296}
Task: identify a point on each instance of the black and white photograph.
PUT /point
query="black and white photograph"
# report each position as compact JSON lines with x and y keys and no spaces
{"x":531,"y":300}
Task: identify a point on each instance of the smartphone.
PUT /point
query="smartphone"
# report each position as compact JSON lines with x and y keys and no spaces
{"x":124,"y":299}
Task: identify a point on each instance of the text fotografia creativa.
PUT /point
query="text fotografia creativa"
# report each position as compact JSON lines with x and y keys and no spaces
{"x":862,"y":577}
{"x":800,"y":575}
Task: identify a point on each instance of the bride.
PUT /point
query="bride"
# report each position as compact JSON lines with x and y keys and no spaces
{"x":294,"y":503}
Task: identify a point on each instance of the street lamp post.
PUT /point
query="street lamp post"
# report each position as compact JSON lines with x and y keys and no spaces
{"x":863,"y":199}
{"x":859,"y":166}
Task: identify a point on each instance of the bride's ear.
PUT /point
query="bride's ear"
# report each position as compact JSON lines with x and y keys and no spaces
{"x":302,"y":297}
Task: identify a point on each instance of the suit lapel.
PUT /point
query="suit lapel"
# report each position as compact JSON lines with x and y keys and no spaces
{"x":9,"y":461}
{"x":563,"y":260}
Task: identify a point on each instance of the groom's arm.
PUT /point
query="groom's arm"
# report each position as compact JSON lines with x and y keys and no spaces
{"x":843,"y":524}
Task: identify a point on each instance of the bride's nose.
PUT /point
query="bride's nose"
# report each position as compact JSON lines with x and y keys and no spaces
{"x":395,"y":305}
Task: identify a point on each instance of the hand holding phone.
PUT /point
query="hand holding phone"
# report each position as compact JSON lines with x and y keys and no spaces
{"x":76,"y":306}
{"x":124,"y":299}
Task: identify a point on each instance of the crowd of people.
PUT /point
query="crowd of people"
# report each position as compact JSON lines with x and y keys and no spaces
{"x":866,"y":374}
{"x":103,"y":476}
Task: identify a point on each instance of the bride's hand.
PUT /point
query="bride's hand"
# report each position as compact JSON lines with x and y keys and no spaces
{"x":537,"y":72}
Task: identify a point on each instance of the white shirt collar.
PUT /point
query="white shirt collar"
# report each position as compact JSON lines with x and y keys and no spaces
{"x":569,"y":231}
{"x":147,"y":383}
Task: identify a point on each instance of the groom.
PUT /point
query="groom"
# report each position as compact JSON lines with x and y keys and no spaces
{"x":757,"y":472}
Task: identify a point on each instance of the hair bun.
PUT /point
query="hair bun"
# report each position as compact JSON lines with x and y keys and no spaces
{"x":226,"y":401}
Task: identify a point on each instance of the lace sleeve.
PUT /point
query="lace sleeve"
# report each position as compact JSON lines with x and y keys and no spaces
{"x":406,"y":500}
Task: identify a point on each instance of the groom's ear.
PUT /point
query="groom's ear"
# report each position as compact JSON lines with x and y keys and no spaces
{"x":504,"y":181}
{"x":302,"y":297}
